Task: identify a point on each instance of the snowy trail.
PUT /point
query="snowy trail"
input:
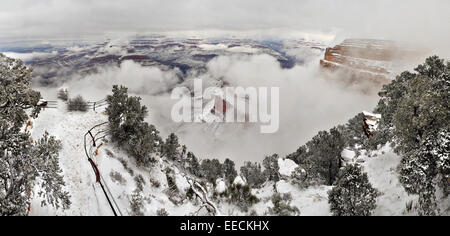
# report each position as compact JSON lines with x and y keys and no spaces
{"x":70,"y":127}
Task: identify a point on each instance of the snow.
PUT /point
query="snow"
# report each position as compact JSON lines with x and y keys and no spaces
{"x":220,"y":186}
{"x":86,"y":195}
{"x":311,"y":201}
{"x":382,"y":172}
{"x":287,"y":166}
{"x":377,"y":116}
{"x":348,"y":156}
{"x":238,"y":180}
{"x":88,"y":199}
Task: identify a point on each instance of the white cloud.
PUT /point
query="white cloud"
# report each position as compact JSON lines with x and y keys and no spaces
{"x":421,"y":21}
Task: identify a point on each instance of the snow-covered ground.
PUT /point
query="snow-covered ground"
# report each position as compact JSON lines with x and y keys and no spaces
{"x":119,"y":172}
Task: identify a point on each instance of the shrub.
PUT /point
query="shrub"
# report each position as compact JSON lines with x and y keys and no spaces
{"x":241,"y":196}
{"x":162,"y":212}
{"x":136,"y":204}
{"x":117,"y":177}
{"x":282,"y":205}
{"x":77,"y":104}
{"x":63,"y":94}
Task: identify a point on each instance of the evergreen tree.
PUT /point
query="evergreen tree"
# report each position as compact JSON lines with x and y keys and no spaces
{"x":253,"y":174}
{"x":229,"y":171}
{"x":125,"y":114}
{"x":352,"y":195}
{"x":171,"y":148}
{"x":192,"y":165}
{"x":16,"y":95}
{"x":325,"y":154}
{"x":144,"y":143}
{"x":241,"y":196}
{"x":211,"y":169}
{"x":421,"y":130}
{"x":271,"y":168}
{"x":24,"y":163}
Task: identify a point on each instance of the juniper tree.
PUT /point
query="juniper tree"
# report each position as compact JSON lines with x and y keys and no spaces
{"x":25,"y":164}
{"x":16,"y":95}
{"x":253,"y":174}
{"x":171,"y":148}
{"x":271,"y":168}
{"x":192,"y":165}
{"x":325,"y":154}
{"x":144,"y":143}
{"x":125,"y":114}
{"x":241,"y":196}
{"x":422,"y":132}
{"x":228,"y":171}
{"x":211,"y":169}
{"x":352,"y":195}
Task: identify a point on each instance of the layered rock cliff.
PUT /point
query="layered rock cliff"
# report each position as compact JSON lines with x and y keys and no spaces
{"x":370,"y":59}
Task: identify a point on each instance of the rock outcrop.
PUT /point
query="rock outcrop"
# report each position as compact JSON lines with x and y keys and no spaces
{"x":371,"y":59}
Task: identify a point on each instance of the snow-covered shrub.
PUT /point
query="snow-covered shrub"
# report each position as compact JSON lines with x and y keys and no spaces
{"x":172,"y":190}
{"x":162,"y":212}
{"x":140,"y":182}
{"x":299,"y":178}
{"x":352,"y":195}
{"x":241,"y":196}
{"x":117,"y":177}
{"x":155,"y":183}
{"x":126,"y":167}
{"x":282,"y":205}
{"x":77,"y":104}
{"x":136,"y":203}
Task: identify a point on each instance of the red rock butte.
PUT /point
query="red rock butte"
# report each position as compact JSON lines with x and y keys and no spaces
{"x":371,"y":59}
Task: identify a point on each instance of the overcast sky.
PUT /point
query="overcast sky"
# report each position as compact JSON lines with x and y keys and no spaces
{"x":426,"y":21}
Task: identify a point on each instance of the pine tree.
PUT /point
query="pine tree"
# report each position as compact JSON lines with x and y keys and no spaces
{"x":352,"y":195}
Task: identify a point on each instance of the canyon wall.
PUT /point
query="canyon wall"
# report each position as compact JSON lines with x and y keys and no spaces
{"x":371,"y":59}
